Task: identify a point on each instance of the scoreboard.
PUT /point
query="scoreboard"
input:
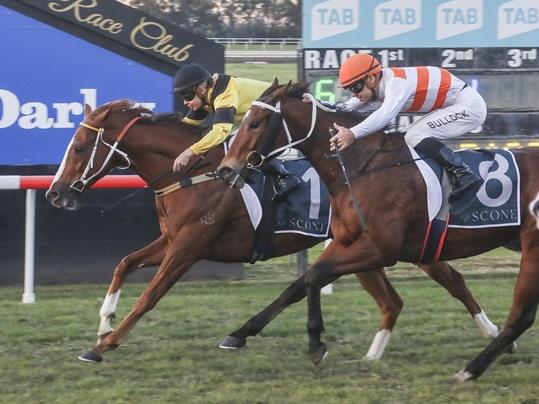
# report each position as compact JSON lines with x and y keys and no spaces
{"x":506,"y":77}
{"x":492,"y":45}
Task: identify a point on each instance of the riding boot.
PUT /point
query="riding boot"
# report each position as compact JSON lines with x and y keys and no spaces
{"x":462,"y":178}
{"x":283,"y":179}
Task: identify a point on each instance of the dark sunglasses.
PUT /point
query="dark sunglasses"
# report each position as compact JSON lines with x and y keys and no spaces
{"x":357,"y":87}
{"x":188,"y":95}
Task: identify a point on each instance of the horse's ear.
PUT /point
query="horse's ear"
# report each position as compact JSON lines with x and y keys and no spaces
{"x":282,"y":91}
{"x":102,"y":115}
{"x":288,"y":85}
{"x":87,"y":110}
{"x":275,"y":83}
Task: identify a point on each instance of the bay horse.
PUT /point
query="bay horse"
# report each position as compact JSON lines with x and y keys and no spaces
{"x":207,"y":220}
{"x":392,"y":197}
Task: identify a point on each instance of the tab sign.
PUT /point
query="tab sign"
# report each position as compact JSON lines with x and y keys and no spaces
{"x":334,"y":17}
{"x":396,"y":17}
{"x":517,"y":17}
{"x":457,"y":17}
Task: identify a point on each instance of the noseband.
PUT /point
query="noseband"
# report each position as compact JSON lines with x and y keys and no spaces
{"x":80,"y":184}
{"x":260,"y":155}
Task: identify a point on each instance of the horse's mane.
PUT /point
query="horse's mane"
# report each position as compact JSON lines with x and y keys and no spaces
{"x":127,"y":109}
{"x":297,"y":91}
{"x":172,"y":119}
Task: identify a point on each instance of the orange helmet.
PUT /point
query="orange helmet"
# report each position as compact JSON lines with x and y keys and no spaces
{"x":358,"y":67}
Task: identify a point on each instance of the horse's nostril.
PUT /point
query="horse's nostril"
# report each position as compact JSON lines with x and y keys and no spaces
{"x":52,"y":196}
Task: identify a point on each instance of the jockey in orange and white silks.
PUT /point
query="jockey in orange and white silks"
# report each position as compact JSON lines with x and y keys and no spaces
{"x":452,"y":109}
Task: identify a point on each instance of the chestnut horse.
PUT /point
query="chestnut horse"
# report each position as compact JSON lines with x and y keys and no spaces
{"x":204,"y":221}
{"x":392,"y":197}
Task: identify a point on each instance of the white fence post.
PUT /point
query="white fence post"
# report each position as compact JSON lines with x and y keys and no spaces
{"x":33,"y":182}
{"x":29,"y":245}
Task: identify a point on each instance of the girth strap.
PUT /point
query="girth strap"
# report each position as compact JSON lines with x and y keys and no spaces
{"x":185,"y":182}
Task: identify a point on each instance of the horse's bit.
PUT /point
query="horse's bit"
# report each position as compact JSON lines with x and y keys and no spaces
{"x":80,"y":184}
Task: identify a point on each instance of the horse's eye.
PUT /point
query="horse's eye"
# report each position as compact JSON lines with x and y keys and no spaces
{"x":78,"y":149}
{"x":254,"y":125}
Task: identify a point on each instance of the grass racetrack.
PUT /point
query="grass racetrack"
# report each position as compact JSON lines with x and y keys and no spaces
{"x":172,"y":354}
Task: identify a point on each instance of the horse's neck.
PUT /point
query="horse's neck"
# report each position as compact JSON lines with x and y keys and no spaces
{"x":316,"y":147}
{"x":374,"y":151}
{"x":153,"y":148}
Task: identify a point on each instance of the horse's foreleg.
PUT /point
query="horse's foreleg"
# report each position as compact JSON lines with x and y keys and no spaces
{"x":335,"y":261}
{"x":175,"y":263}
{"x":390,"y":303}
{"x":454,"y":283}
{"x":293,"y":294}
{"x":150,"y":255}
{"x":521,"y":317}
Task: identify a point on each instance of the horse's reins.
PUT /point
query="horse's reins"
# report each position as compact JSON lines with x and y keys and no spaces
{"x":291,"y":143}
{"x":362,"y":171}
{"x":114,"y":149}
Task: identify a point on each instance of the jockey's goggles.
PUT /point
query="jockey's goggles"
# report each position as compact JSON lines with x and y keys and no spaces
{"x":357,"y":87}
{"x":188,"y":94}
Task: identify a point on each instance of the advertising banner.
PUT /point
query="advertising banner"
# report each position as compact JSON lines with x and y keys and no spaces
{"x":47,"y":79}
{"x":82,"y":53}
{"x":420,"y":23}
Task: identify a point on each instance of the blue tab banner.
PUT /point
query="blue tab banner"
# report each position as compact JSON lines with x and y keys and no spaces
{"x":420,"y":23}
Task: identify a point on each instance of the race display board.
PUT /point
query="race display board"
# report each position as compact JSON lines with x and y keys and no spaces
{"x":492,"y":45}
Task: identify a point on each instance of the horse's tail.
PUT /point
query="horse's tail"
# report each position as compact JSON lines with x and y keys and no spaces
{"x":534,"y":209}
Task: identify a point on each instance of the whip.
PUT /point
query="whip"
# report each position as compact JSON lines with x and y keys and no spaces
{"x":354,"y":199}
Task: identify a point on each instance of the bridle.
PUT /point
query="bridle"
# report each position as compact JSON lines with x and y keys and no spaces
{"x":257,"y":157}
{"x":80,"y":184}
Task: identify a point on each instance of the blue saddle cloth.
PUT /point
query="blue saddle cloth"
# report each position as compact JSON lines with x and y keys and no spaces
{"x":497,"y":202}
{"x":306,"y":208}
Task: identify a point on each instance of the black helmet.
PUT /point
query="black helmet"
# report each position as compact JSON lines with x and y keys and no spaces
{"x":189,"y":76}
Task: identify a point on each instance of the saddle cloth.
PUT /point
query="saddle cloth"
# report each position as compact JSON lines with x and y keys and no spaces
{"x":496,"y":203}
{"x":305,"y":209}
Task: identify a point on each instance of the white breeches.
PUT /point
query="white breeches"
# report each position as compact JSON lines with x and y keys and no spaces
{"x":466,"y":114}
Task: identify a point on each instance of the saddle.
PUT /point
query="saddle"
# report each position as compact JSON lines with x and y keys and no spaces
{"x":305,"y":209}
{"x":495,"y":204}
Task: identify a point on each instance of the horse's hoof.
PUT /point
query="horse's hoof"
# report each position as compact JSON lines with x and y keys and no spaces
{"x":462,"y":376}
{"x":512,"y":348}
{"x":319,"y":354}
{"x":91,"y":356}
{"x":231,"y":342}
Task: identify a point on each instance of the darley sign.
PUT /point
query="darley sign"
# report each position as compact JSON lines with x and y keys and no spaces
{"x":58,"y":55}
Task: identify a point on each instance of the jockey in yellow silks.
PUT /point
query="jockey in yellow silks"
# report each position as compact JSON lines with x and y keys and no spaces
{"x":228,"y":98}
